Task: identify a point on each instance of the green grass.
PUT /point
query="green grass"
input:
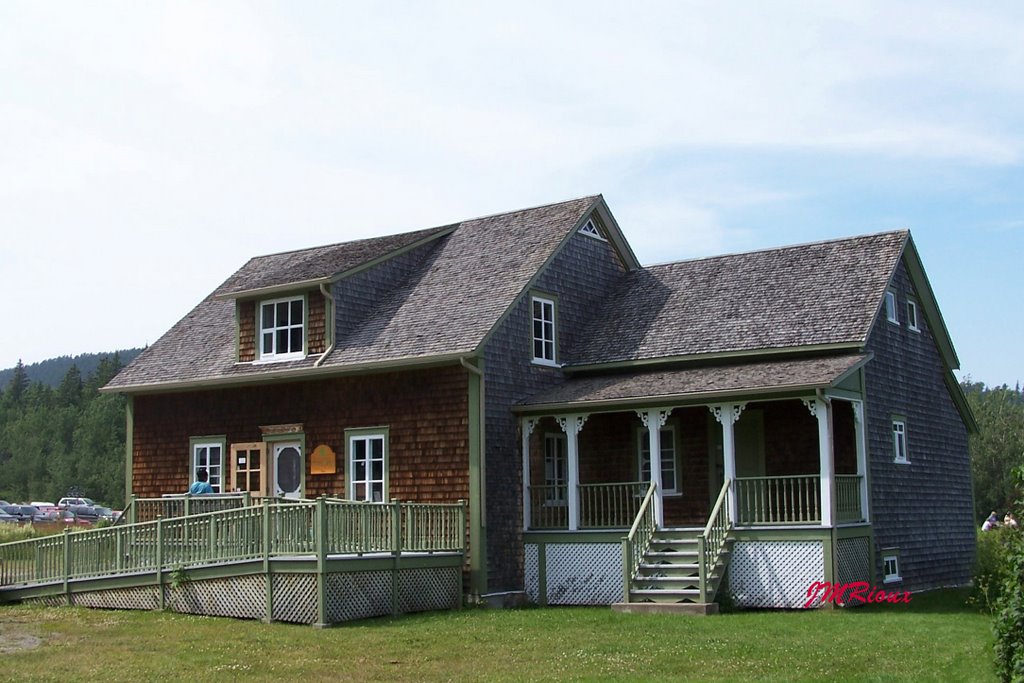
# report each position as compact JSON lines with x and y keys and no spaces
{"x":933,"y":638}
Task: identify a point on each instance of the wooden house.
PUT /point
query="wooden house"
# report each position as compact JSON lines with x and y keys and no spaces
{"x":808,"y":425}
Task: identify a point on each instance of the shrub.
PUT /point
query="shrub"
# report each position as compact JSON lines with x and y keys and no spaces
{"x":991,"y":566}
{"x":1009,"y":615}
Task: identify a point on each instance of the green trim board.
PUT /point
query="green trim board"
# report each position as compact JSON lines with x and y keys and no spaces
{"x":545,"y":537}
{"x":477,"y":481}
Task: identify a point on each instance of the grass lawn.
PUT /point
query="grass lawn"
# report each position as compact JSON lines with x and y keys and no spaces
{"x":933,"y":638}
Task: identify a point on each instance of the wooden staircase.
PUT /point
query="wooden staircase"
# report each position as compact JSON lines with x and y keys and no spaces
{"x":668,"y":577}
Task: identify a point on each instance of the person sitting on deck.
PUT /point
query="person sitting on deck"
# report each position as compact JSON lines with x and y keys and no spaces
{"x":201,"y":484}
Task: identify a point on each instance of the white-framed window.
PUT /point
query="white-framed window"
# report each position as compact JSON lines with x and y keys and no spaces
{"x":208,"y":454}
{"x":368,"y":465}
{"x":890,"y":307}
{"x":282,"y":328}
{"x":669,"y":481}
{"x":899,"y":440}
{"x":912,"y":323}
{"x":556,"y":469}
{"x":543,"y":330}
{"x":590,"y":230}
{"x":891,"y":568}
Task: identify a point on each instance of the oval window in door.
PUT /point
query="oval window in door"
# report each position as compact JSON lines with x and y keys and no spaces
{"x":289,"y":470}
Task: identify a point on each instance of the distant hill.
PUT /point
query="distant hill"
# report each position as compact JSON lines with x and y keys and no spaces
{"x":52,"y":371}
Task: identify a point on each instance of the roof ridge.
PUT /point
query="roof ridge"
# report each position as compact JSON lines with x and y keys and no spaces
{"x":591,"y":197}
{"x":424,"y":231}
{"x":787,"y":247}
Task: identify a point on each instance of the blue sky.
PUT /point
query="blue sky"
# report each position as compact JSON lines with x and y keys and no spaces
{"x":150,"y":149}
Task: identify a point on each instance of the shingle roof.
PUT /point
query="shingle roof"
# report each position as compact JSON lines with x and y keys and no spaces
{"x":463,"y":287}
{"x":698,"y":382}
{"x":317,"y":263}
{"x":814,"y":294}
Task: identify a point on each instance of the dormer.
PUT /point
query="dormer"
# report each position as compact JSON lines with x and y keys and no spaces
{"x":282,"y":327}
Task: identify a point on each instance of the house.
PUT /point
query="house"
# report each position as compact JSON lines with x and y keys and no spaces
{"x":809,"y":427}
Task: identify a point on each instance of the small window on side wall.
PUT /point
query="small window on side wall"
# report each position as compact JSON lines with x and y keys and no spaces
{"x":543,"y":330}
{"x":899,"y":440}
{"x":912,"y":323}
{"x":891,"y":568}
{"x":890,"y":307}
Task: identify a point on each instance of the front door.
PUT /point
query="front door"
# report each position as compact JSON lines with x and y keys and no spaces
{"x":288,"y":469}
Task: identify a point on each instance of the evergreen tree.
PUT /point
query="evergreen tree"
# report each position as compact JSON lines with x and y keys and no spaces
{"x":18,"y":383}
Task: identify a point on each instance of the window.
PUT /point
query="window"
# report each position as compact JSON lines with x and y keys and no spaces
{"x":208,"y":454}
{"x":248,"y":468}
{"x":890,"y":307}
{"x":590,"y":230}
{"x":891,"y":568}
{"x":899,"y":441}
{"x":368,"y":466}
{"x":668,"y":458}
{"x":555,"y":469}
{"x":912,"y":316}
{"x":543,"y":331}
{"x":282,"y":329}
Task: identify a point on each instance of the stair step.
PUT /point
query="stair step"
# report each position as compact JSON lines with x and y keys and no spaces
{"x":666,"y":583}
{"x":669,"y":567}
{"x":671,"y":556}
{"x":681,"y":595}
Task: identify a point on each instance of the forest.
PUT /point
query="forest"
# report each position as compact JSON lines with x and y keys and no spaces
{"x":58,"y":438}
{"x":64,"y":439}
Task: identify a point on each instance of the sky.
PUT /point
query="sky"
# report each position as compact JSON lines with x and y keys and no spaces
{"x":147,"y":150}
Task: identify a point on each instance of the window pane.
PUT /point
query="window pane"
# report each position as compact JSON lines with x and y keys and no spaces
{"x":268,"y":316}
{"x":282,"y":341}
{"x":538,"y":349}
{"x":538,"y":328}
{"x":296,"y":339}
{"x":268,"y":342}
{"x":378,"y":470}
{"x":377,"y":448}
{"x":537,"y":309}
{"x":282,"y":313}
{"x":360,"y":473}
{"x":296,"y":312}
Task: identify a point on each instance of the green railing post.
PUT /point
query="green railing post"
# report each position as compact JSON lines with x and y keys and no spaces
{"x":265,"y":509}
{"x":119,"y":549}
{"x":702,"y":568}
{"x":161,"y":599}
{"x":67,"y":564}
{"x":396,"y":553}
{"x":627,"y":565}
{"x":320,"y":525}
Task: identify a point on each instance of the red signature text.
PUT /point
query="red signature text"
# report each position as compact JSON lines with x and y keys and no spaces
{"x":824,"y":592}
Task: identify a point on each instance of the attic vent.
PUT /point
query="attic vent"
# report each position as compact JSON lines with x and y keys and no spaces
{"x":590,"y":230}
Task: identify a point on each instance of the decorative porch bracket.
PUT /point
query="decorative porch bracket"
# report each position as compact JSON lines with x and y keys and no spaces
{"x":572,"y":425}
{"x":727,"y":414}
{"x":821,"y":409}
{"x":654,"y":419}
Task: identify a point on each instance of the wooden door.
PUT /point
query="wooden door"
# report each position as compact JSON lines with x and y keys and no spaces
{"x":249,"y":468}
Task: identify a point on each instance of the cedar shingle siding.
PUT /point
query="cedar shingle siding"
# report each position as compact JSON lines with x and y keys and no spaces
{"x":923,"y":508}
{"x":579,"y":277}
{"x":426,"y":412}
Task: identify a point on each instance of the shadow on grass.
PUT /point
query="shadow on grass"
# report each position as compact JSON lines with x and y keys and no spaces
{"x":941,"y":601}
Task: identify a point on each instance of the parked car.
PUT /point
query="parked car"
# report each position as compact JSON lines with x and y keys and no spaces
{"x":26,"y":513}
{"x":80,"y":514}
{"x":6,"y":518}
{"x":104,"y":513}
{"x":65,"y":503}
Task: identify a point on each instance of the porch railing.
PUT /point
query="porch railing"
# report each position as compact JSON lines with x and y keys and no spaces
{"x":778,"y":500}
{"x":638,"y":540}
{"x":711,"y":543}
{"x":320,"y":527}
{"x":549,"y":507}
{"x":181,"y":505}
{"x":848,"y":500}
{"x":610,"y":506}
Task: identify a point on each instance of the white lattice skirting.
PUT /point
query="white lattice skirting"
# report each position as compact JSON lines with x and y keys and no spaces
{"x":575,"y":573}
{"x":349,"y":595}
{"x":774,"y":573}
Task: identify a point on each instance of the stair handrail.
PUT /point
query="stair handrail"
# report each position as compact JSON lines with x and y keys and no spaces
{"x":712,"y":541}
{"x":636,"y":543}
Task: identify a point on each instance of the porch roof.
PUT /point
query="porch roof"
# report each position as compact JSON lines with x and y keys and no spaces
{"x":696,"y":383}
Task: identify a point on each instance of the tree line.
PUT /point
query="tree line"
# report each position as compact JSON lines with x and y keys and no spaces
{"x":998,"y":447}
{"x":62,"y":440}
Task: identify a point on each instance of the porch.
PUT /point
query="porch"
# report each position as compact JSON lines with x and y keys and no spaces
{"x":794,"y":462}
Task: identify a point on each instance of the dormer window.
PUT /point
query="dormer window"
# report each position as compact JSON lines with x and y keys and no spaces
{"x":282,"y":329}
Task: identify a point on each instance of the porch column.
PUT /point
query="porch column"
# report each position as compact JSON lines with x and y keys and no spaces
{"x":727,"y":414}
{"x":526,"y":426}
{"x":860,"y":432}
{"x":654,"y":419}
{"x":572,"y":425}
{"x":822,"y":410}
